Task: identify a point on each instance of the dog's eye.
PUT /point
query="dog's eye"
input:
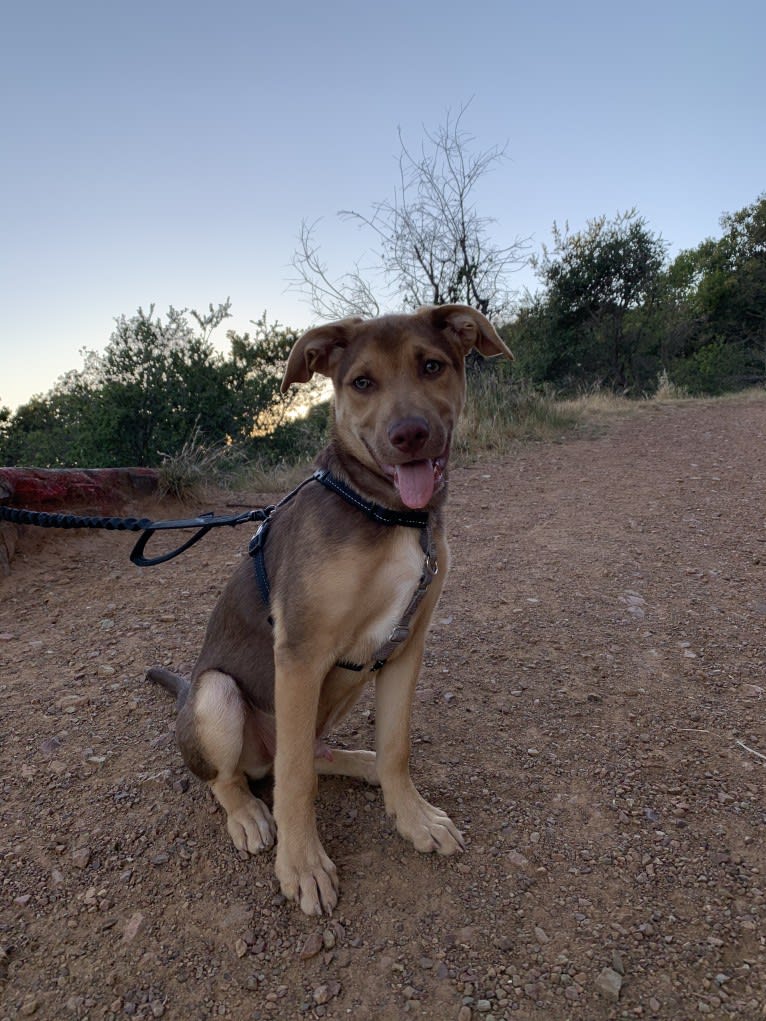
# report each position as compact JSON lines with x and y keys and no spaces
{"x":432,"y":367}
{"x":362,"y":383}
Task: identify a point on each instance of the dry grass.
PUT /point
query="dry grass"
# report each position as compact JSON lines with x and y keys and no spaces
{"x":499,"y":413}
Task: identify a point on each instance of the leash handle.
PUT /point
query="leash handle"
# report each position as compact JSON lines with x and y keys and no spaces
{"x":137,"y":553}
{"x":205,"y":521}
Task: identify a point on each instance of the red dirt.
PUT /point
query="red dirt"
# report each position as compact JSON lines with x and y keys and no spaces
{"x":590,"y":713}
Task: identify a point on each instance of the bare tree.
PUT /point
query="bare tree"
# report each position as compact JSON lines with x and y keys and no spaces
{"x":433,"y":247}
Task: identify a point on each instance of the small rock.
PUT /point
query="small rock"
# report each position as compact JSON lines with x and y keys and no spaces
{"x":752,"y":690}
{"x":617,"y":964}
{"x":464,"y":1014}
{"x":50,"y":746}
{"x":81,"y":857}
{"x":328,"y":939}
{"x":326,"y":992}
{"x":483,"y":1006}
{"x":240,"y":948}
{"x":133,"y":926}
{"x":23,"y":900}
{"x":29,"y":1007}
{"x":609,"y":984}
{"x":541,"y":935}
{"x":517,"y":858}
{"x":314,"y":943}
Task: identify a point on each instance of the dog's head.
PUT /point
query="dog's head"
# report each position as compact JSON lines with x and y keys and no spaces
{"x":399,"y":388}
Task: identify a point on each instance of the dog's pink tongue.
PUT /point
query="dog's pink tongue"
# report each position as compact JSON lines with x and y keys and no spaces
{"x":415,"y":482}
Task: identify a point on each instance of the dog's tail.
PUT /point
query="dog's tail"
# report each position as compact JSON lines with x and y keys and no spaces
{"x":171,"y":682}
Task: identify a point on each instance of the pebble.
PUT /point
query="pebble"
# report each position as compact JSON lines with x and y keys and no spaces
{"x":49,"y":746}
{"x":609,"y":984}
{"x":314,"y":943}
{"x":81,"y":857}
{"x":464,"y":1014}
{"x":326,"y":992}
{"x":133,"y":926}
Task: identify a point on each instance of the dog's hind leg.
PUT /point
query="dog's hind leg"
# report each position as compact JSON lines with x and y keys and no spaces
{"x":219,"y":742}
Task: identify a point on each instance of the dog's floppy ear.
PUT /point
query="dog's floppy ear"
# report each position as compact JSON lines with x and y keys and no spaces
{"x":317,"y":351}
{"x":473,"y":328}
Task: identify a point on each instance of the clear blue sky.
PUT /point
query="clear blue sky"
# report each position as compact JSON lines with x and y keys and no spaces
{"x":166,"y":152}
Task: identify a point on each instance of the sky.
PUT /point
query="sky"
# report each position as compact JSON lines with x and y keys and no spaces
{"x":166,"y":153}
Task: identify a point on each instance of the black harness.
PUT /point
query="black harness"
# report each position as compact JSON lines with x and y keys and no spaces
{"x":381,"y":515}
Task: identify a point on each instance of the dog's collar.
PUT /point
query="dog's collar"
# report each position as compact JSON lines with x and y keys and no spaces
{"x":383,"y":515}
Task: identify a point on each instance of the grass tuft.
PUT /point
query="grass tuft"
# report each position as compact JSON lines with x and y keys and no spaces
{"x":197,"y":468}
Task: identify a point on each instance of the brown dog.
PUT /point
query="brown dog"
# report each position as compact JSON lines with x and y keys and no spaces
{"x":340,"y":591}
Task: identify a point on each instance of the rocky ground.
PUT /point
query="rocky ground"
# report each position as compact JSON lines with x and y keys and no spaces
{"x":591,"y":714}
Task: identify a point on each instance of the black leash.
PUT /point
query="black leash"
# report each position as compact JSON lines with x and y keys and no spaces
{"x":203,"y":523}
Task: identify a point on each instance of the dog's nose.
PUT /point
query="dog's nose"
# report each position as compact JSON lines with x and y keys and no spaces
{"x":409,"y":434}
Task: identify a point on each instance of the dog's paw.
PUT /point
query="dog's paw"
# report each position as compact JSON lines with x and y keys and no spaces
{"x":310,"y":878}
{"x":251,"y":826}
{"x":427,"y":827}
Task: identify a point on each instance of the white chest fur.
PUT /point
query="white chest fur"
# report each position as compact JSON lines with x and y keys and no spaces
{"x":386,"y":594}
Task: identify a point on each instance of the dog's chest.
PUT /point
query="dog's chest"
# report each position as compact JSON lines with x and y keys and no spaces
{"x":386,"y":594}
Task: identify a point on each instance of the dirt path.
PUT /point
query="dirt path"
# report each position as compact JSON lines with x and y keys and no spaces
{"x":594,"y":674}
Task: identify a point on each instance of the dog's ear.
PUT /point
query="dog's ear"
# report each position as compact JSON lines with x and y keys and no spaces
{"x":317,"y":351}
{"x":472,"y":328}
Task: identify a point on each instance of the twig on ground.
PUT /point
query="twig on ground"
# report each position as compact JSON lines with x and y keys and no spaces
{"x":751,"y":750}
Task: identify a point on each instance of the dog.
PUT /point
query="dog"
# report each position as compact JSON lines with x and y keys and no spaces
{"x":338,"y":592}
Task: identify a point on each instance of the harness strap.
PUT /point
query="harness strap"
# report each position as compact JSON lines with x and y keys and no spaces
{"x":382,"y":515}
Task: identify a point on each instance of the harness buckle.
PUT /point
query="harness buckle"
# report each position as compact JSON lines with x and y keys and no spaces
{"x":400,"y":634}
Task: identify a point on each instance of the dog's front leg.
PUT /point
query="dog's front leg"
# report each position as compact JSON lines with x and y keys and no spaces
{"x":428,"y":827}
{"x":304,"y":871}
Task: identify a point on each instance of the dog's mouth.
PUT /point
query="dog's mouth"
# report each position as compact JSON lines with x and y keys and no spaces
{"x":416,"y":481}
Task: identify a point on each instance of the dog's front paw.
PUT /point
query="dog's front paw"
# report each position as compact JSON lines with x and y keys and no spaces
{"x":427,"y":827}
{"x":310,"y":878}
{"x":251,"y":826}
